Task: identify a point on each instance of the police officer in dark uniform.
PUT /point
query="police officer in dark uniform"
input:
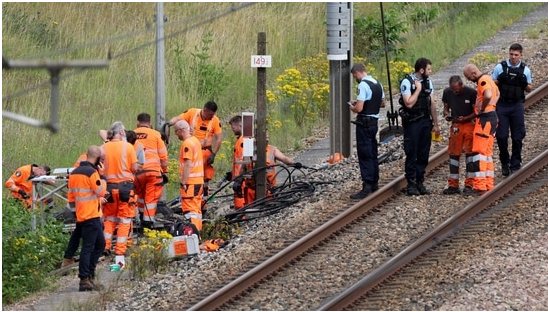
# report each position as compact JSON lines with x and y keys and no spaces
{"x":369,"y":99}
{"x":419,"y":119}
{"x":513,"y":78}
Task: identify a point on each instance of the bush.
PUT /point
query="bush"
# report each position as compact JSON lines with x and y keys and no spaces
{"x":28,"y":256}
{"x":149,"y":255}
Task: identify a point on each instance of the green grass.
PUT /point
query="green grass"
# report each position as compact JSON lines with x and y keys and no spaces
{"x":94,"y":98}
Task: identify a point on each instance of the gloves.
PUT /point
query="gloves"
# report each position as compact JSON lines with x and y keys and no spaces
{"x":237,"y":187}
{"x":297,"y":165}
{"x":23,"y":194}
{"x":165,"y":178}
{"x":211,"y":159}
{"x":228,"y":176}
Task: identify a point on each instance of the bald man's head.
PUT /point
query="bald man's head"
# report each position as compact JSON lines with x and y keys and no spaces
{"x":471,"y":72}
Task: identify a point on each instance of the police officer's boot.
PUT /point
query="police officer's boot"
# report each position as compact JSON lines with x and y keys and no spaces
{"x":366,"y":190}
{"x":420,"y":186}
{"x":412,"y":187}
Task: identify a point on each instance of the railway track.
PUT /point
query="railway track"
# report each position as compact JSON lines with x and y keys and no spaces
{"x":283,"y":281}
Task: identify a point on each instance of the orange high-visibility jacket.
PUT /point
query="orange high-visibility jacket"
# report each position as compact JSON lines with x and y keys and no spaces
{"x":270,"y":164}
{"x":191,"y":149}
{"x":203,"y":130}
{"x":155,"y":149}
{"x":21,"y":179}
{"x":485,"y":82}
{"x":85,"y":189}
{"x":119,"y":156}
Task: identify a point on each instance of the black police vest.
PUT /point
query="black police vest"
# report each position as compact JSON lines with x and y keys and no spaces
{"x":373,"y":105}
{"x":512,"y":82}
{"x":422,"y":106}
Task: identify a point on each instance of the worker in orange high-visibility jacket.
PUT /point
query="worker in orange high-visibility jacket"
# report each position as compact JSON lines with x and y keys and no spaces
{"x":273,"y":154}
{"x":191,"y":174}
{"x":86,"y":191}
{"x":238,"y":162}
{"x":76,"y":235}
{"x":206,"y":127}
{"x":119,"y":168}
{"x":484,"y":130}
{"x":20,"y":184}
{"x":149,"y":181}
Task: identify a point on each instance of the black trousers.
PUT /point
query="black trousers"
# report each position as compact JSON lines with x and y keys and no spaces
{"x":93,"y":244}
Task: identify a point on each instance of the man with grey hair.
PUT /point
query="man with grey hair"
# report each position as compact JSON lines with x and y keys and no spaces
{"x":119,"y":169}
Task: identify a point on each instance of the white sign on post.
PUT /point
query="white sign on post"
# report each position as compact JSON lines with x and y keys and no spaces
{"x":261,"y":61}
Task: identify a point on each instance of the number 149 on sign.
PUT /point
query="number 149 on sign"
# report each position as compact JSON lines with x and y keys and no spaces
{"x":261,"y":61}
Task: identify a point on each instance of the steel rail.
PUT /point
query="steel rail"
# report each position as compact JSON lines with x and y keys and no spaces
{"x":434,"y":237}
{"x":295,"y":250}
{"x":444,"y":230}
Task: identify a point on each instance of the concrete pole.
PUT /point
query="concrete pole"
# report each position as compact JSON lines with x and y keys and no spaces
{"x":160,"y":75}
{"x":160,"y":68}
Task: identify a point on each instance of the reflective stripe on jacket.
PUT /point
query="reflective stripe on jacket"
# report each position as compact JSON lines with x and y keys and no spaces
{"x":85,"y":189}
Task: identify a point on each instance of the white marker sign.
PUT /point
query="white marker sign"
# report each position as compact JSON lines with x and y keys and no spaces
{"x":261,"y":61}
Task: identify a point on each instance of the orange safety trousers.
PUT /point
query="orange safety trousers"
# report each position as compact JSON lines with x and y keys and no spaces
{"x":148,"y":188}
{"x":191,"y":203}
{"x":239,"y":199}
{"x":249,"y":190}
{"x":209,"y":171}
{"x":482,"y":149}
{"x":460,"y":138}
{"x":118,"y":216}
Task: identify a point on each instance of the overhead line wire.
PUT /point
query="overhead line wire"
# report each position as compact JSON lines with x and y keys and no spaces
{"x":76,"y":71}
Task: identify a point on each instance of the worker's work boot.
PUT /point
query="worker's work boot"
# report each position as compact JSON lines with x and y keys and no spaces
{"x":412,"y":187}
{"x":86,"y":285}
{"x":422,"y":189}
{"x":66,"y":262}
{"x":96,"y":285}
{"x":366,"y":190}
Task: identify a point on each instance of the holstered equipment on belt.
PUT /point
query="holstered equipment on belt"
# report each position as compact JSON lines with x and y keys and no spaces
{"x":365,"y":121}
{"x":124,"y":189}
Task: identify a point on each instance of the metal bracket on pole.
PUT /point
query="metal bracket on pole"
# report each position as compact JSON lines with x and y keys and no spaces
{"x":54,"y":68}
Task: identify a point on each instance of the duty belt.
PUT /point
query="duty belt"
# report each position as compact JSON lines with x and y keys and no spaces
{"x":119,"y":183}
{"x":416,"y":117}
{"x":365,"y":121}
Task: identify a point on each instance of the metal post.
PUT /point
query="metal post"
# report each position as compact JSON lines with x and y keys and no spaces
{"x":160,"y":67}
{"x":260,"y":190}
{"x":339,"y":54}
{"x":160,"y":76}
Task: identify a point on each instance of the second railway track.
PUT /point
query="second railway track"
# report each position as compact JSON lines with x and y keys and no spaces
{"x":284,"y":282}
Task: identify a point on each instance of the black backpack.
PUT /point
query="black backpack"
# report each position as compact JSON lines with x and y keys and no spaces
{"x":180,"y":228}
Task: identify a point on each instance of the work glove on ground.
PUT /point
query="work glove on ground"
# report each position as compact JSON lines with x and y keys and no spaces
{"x":23,"y":194}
